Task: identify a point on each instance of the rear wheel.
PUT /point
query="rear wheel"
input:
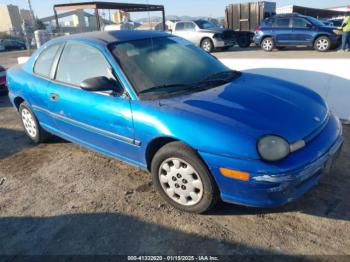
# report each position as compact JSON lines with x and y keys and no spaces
{"x":31,"y":125}
{"x":207,"y":45}
{"x":182,"y":178}
{"x":322,"y":44}
{"x":268,"y":44}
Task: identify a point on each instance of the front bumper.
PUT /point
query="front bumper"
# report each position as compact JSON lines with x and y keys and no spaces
{"x":218,"y":42}
{"x":266,"y":188}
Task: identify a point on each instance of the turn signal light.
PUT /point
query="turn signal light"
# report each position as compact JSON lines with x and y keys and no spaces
{"x":235,"y":174}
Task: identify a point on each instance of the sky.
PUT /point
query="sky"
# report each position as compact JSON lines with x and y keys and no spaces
{"x":207,"y":8}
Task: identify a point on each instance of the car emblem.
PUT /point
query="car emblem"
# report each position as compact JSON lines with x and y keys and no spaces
{"x":317,"y":119}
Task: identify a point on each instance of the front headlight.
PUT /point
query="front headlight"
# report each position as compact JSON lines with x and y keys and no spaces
{"x":273,"y":148}
{"x":217,"y":36}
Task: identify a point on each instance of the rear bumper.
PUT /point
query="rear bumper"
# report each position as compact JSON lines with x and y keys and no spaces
{"x":269,"y":189}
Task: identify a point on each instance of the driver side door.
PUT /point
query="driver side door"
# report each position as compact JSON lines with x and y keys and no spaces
{"x":99,"y":120}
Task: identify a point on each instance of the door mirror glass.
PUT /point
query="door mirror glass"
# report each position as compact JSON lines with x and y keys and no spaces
{"x":101,"y":84}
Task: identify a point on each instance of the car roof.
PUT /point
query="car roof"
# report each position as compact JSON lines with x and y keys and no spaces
{"x":116,"y":36}
{"x":289,"y":15}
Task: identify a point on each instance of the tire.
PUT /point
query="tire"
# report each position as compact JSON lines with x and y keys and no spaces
{"x":268,"y":44}
{"x":207,"y":45}
{"x":322,"y":44}
{"x":244,"y":41}
{"x":31,"y":125}
{"x":188,"y":184}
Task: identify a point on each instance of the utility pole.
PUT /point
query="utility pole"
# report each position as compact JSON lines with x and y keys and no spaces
{"x":31,"y":11}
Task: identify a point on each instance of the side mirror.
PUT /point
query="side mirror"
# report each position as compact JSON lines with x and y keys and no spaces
{"x":100,"y":84}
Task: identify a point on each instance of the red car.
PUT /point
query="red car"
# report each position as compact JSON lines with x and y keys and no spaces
{"x":3,"y":87}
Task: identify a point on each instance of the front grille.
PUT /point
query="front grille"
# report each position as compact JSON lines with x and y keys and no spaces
{"x":228,"y":34}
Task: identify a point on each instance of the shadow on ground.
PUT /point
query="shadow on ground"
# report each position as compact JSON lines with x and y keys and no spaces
{"x":107,"y":234}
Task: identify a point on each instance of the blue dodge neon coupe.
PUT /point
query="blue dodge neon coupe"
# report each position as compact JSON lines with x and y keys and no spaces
{"x":158,"y":102}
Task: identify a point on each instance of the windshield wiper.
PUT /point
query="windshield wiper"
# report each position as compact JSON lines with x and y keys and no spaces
{"x":224,"y":75}
{"x":166,"y":88}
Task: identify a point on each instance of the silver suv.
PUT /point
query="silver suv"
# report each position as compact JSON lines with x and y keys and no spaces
{"x":205,"y":34}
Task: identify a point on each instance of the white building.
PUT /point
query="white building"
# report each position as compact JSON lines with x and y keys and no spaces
{"x":340,"y":8}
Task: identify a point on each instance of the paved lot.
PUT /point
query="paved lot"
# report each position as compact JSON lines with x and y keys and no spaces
{"x":58,"y":198}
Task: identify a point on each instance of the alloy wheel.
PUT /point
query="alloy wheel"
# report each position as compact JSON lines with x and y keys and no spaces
{"x":322,"y":44}
{"x":267,"y":44}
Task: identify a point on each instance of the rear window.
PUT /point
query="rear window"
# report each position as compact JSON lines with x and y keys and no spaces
{"x":282,"y":22}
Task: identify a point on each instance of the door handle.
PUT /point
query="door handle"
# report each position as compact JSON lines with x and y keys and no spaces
{"x":54,"y":97}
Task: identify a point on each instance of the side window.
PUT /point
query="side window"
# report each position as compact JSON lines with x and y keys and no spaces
{"x":189,"y":26}
{"x":44,"y":61}
{"x":179,"y":27}
{"x":269,"y":22}
{"x":300,"y":23}
{"x":80,"y":62}
{"x":282,"y":22}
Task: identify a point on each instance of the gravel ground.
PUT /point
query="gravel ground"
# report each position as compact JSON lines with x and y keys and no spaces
{"x":59,"y":198}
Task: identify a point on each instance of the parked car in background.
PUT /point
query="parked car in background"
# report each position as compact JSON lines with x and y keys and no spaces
{"x":158,"y":102}
{"x":2,"y":47}
{"x":296,"y":30}
{"x":208,"y":35}
{"x":12,"y":44}
{"x":336,"y":22}
{"x":3,"y":87}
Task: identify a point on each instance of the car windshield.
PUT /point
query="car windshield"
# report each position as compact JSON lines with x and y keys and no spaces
{"x":316,"y":21}
{"x":169,"y":65}
{"x":202,"y":24}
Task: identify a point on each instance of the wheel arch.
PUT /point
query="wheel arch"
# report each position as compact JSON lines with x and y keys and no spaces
{"x":206,"y":37}
{"x":153,"y":147}
{"x":267,"y":36}
{"x":318,"y":36}
{"x":18,"y":101}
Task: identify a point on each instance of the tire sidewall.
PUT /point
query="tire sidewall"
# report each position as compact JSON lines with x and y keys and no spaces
{"x":35,"y":139}
{"x":210,"y":191}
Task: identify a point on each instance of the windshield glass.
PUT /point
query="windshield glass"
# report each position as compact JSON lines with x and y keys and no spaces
{"x":164,"y":62}
{"x":202,"y":24}
{"x":316,"y":21}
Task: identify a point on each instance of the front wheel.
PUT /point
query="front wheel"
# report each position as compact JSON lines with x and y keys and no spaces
{"x":322,"y":44}
{"x":268,"y":44}
{"x":207,"y":45}
{"x":31,"y":125}
{"x":182,"y":179}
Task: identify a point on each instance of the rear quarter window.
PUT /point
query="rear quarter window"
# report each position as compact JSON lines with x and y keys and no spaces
{"x":45,"y":60}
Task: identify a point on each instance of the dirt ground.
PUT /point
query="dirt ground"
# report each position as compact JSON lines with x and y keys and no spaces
{"x":60,"y":199}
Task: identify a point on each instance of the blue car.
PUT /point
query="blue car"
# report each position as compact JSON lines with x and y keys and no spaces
{"x":157,"y":101}
{"x":296,"y":30}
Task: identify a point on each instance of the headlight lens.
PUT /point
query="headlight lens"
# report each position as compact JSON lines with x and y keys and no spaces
{"x":273,"y":148}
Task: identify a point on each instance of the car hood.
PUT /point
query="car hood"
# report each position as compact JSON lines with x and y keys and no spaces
{"x":257,"y":105}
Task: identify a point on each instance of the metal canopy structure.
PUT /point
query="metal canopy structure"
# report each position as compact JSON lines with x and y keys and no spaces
{"x":126,"y":7}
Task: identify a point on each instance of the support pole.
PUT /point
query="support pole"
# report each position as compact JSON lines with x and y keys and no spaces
{"x":98,"y":20}
{"x":56,"y":19}
{"x":163,"y":13}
